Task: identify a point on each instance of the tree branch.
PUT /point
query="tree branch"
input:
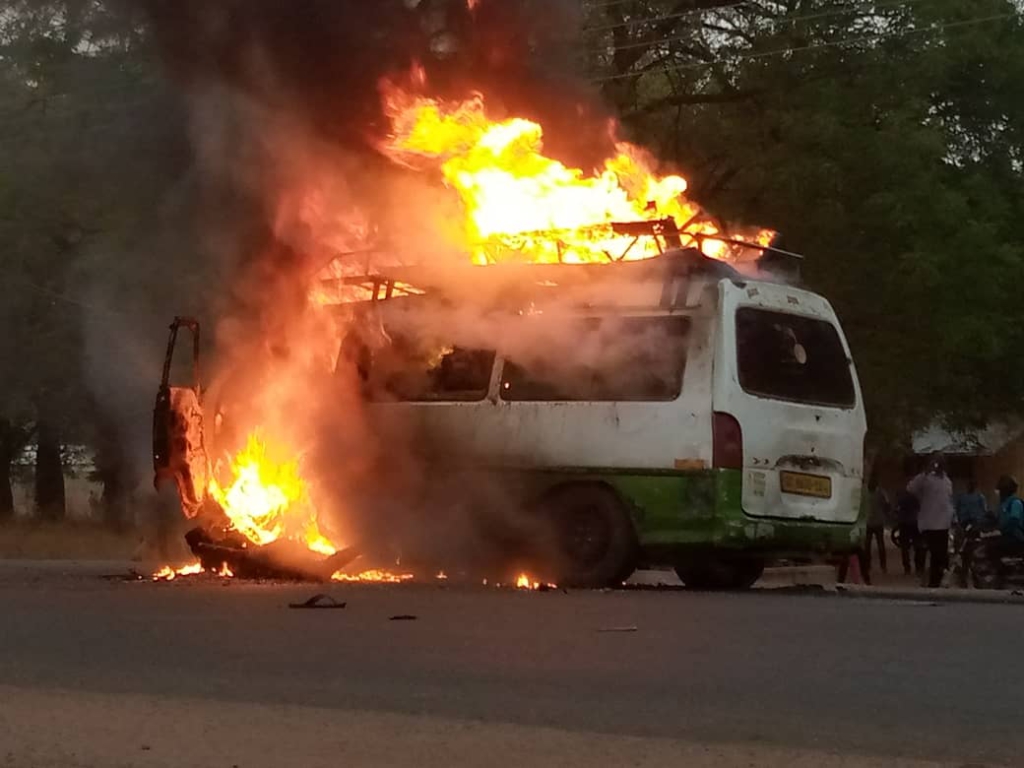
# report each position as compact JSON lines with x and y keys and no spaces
{"x":628,"y":53}
{"x":682,"y":99}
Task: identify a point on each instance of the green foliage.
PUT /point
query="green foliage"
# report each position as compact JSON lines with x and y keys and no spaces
{"x":884,"y":140}
{"x":93,"y":156}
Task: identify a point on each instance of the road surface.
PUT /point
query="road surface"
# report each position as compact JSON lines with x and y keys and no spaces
{"x":105,"y":673}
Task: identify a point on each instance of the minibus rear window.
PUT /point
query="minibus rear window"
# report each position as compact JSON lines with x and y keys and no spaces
{"x":608,"y":359}
{"x":791,"y":357}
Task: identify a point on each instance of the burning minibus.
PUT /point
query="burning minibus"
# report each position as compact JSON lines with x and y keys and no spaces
{"x":593,"y":419}
{"x":574,"y":369}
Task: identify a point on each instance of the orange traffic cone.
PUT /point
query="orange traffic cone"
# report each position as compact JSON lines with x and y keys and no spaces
{"x":854,"y":575}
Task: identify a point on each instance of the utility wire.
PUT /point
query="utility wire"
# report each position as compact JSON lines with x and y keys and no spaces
{"x":800,"y":48}
{"x":613,"y":3}
{"x":783,"y":20}
{"x":668,"y":17}
{"x":779,"y":18}
{"x":43,"y":290}
{"x":40,"y":101}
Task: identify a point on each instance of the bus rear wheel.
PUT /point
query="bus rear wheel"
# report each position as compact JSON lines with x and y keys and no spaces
{"x":595,"y":543}
{"x":721,"y":574}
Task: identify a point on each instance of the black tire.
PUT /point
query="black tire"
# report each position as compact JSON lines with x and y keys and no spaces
{"x":985,"y":567}
{"x":693,"y":577}
{"x":595,"y":544}
{"x":721,"y":574}
{"x":985,"y":576}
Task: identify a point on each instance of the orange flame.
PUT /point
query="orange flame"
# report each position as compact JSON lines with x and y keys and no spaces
{"x":225,"y":572}
{"x":523,"y":205}
{"x":268,"y":500}
{"x":375,"y":575}
{"x":524,"y":581}
{"x":167,"y":573}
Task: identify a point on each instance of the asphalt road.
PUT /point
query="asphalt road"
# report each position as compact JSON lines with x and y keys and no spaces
{"x":101,"y":673}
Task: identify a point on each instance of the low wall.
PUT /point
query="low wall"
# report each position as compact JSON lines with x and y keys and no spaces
{"x":81,"y":495}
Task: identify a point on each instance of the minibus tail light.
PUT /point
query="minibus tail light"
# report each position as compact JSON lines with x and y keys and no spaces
{"x":728,"y":442}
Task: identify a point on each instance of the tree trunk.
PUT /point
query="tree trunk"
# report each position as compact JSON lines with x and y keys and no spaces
{"x":112,"y":471}
{"x":115,"y":499}
{"x":6,"y":491}
{"x":12,"y":441}
{"x":50,"y":501}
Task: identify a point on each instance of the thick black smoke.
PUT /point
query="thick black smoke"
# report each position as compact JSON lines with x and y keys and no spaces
{"x":321,"y":60}
{"x":286,"y":94}
{"x":286,"y":118}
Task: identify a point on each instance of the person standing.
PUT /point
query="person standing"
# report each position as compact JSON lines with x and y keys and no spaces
{"x":1011,"y":516}
{"x":907,"y":535}
{"x":934,"y":491}
{"x":971,"y":511}
{"x":878,"y":515}
{"x":971,"y":507}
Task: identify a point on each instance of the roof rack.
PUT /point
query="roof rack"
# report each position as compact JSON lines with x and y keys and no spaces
{"x":522,"y":283}
{"x":673,"y":261}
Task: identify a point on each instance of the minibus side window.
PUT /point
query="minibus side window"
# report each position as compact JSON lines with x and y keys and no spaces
{"x":603,"y":359}
{"x":412,"y":370}
{"x":792,"y":357}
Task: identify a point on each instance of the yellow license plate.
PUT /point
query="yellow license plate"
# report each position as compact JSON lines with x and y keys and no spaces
{"x":806,"y":485}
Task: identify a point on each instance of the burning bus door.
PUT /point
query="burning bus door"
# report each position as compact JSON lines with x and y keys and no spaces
{"x":179,"y":450}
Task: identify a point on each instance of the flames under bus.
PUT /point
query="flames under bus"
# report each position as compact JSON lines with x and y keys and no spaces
{"x":661,"y":412}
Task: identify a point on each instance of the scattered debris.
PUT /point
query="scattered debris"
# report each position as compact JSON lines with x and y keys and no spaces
{"x":403,"y":617}
{"x":280,"y":559}
{"x":630,"y":628}
{"x":318,"y":601}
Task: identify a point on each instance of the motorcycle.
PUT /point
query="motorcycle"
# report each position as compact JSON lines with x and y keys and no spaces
{"x":983,"y":555}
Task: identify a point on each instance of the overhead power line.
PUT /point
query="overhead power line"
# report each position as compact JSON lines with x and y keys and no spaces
{"x":733,"y":6}
{"x":800,"y":48}
{"x":667,"y":17}
{"x":784,"y":20}
{"x":613,"y":3}
{"x":57,"y":296}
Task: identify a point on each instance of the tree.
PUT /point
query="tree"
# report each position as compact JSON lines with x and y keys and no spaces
{"x":884,"y":140}
{"x":92,"y":149}
{"x":13,"y":439}
{"x":49,"y":477}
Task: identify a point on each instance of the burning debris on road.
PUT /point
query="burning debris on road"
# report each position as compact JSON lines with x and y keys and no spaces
{"x":523,"y":581}
{"x":167,"y":573}
{"x":273,"y":572}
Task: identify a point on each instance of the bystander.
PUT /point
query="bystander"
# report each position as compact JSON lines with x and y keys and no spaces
{"x":934,"y":491}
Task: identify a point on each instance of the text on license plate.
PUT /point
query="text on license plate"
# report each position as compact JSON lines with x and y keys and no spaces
{"x":806,"y":485}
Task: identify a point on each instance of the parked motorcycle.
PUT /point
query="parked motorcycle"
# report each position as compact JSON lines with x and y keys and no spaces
{"x":985,"y":556}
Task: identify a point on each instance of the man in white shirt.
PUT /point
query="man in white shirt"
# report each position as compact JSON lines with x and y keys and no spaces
{"x":934,"y":490}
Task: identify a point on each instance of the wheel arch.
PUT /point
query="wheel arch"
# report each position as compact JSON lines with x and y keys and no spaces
{"x":622,"y":530}
{"x":563,"y":484}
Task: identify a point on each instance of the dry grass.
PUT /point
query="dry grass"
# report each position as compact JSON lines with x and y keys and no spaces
{"x":67,"y":541}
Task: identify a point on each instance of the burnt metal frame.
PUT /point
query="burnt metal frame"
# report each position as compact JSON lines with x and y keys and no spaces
{"x":666,"y":233}
{"x":192,"y":325}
